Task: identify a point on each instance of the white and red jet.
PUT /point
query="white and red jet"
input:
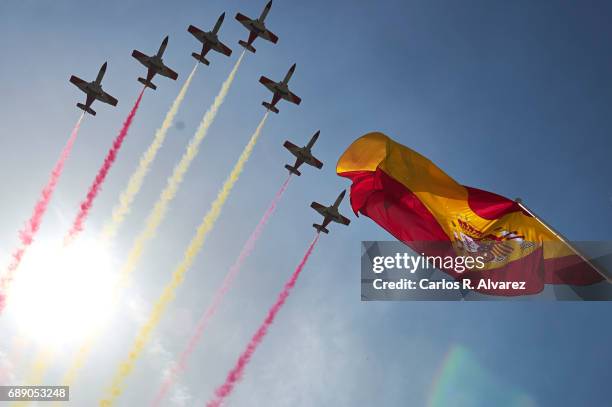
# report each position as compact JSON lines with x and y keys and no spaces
{"x":329,"y":213}
{"x":155,"y":65}
{"x":280,"y":90}
{"x":256,"y":28}
{"x":303,"y":155}
{"x":209,"y":40}
{"x":94,"y":91}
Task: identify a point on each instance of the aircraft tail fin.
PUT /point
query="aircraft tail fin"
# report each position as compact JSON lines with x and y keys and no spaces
{"x":247,"y":46}
{"x":293,"y":170}
{"x":86,"y":109}
{"x":147,"y":83}
{"x":270,"y":107}
{"x":200,"y":58}
{"x":320,"y":228}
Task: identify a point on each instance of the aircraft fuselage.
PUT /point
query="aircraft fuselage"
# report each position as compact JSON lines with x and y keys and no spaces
{"x":332,"y":213}
{"x":210,"y":38}
{"x":93,"y":89}
{"x":156,"y":63}
{"x":256,"y":26}
{"x":303,"y":153}
{"x":280,"y":88}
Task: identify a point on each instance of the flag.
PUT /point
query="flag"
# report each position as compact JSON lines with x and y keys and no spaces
{"x":423,"y":207}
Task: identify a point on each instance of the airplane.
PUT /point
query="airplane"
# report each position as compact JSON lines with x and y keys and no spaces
{"x":94,"y":91}
{"x":256,"y":28}
{"x":280,"y":90}
{"x":209,"y":41}
{"x":330,"y":213}
{"x":303,"y":155}
{"x":155,"y":65}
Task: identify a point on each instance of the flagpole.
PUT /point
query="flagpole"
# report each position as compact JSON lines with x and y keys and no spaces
{"x":559,"y":236}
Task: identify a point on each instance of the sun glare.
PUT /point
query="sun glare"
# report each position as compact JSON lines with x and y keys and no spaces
{"x":62,"y":292}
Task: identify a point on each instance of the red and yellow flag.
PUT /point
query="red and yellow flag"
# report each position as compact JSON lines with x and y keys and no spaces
{"x":418,"y":203}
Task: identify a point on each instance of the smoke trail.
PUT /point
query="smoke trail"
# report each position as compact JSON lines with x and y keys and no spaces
{"x":121,"y":210}
{"x":157,"y":350}
{"x":9,"y":364}
{"x":26,"y":235}
{"x":109,"y":160}
{"x":126,"y":367}
{"x":236,"y":373}
{"x":230,"y":277}
{"x":7,"y":368}
{"x":37,"y":373}
{"x":157,"y":214}
{"x":39,"y":367}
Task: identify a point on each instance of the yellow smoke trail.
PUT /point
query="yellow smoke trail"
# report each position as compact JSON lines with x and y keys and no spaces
{"x":126,"y":367}
{"x":122,"y":209}
{"x":158,"y":213}
{"x":156,"y":216}
{"x":39,"y":367}
{"x":37,"y":372}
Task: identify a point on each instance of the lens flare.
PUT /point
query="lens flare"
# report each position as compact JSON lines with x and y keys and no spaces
{"x":63,"y":292}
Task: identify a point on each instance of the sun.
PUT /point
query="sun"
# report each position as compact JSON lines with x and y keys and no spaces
{"x":62,"y":293}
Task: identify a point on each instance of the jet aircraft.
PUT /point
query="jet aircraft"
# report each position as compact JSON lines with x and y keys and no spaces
{"x":280,"y":91}
{"x":94,"y":91}
{"x":303,"y":155}
{"x":155,"y":65}
{"x":329,"y":213}
{"x":257,"y":28}
{"x":209,"y":40}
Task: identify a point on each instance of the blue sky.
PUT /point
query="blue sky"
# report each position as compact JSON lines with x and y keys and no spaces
{"x":511,"y":97}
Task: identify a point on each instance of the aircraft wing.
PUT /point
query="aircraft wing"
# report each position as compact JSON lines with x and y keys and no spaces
{"x":293,"y":98}
{"x":106,"y":98}
{"x":314,"y":162}
{"x":291,"y":147}
{"x":269,"y":35}
{"x":244,"y":20}
{"x":318,"y":207}
{"x":195,"y":31}
{"x":224,"y":49}
{"x":142,"y":58}
{"x":80,"y":83}
{"x":168,"y":73}
{"x":343,"y":220}
{"x":268,"y":83}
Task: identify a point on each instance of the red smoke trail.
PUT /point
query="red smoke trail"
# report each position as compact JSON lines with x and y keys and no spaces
{"x":231,"y":275}
{"x":26,"y":235}
{"x":236,"y":373}
{"x":109,"y":160}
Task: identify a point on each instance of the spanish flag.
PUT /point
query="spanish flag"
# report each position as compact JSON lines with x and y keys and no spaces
{"x":424,"y":208}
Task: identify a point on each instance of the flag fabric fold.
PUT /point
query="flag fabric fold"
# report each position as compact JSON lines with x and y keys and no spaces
{"x":423,"y":207}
